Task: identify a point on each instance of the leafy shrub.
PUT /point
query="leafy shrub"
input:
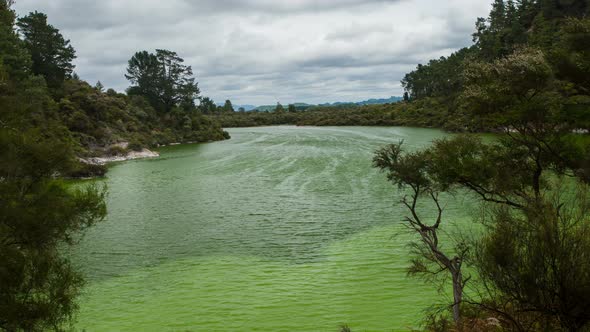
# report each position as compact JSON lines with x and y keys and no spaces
{"x":116,"y":150}
{"x":135,"y":146}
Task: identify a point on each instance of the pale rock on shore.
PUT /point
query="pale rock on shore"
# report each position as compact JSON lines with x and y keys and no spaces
{"x":145,"y":153}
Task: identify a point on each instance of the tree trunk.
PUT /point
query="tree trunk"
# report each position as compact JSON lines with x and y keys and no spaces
{"x":457,"y":294}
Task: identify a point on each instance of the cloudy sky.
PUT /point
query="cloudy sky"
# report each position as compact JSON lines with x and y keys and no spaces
{"x":264,"y":51}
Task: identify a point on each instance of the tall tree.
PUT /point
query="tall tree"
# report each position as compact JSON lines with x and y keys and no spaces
{"x":163,"y":79}
{"x":14,"y":57}
{"x":39,"y":214}
{"x":411,"y":171}
{"x":439,"y":78}
{"x":178,"y":84}
{"x":207,"y":106}
{"x":497,"y":19}
{"x":52,"y":55}
{"x":532,"y":260}
{"x":228,"y":107}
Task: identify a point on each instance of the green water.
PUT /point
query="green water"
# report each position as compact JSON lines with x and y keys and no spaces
{"x":277,"y":229}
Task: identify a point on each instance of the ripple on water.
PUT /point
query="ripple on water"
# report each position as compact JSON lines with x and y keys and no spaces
{"x":277,"y":229}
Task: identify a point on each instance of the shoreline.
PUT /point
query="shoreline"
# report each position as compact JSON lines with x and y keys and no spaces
{"x":132,"y":155}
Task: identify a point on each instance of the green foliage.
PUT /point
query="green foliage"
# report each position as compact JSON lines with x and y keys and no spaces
{"x":438,"y":78}
{"x":571,"y":57}
{"x":52,"y":55}
{"x":118,"y":150}
{"x":14,"y":58}
{"x":538,"y":260}
{"x":534,"y":222}
{"x":228,"y":107}
{"x":135,"y":146}
{"x":527,"y":77}
{"x":504,"y":29}
{"x":531,"y":262}
{"x":547,"y":34}
{"x":163,"y":80}
{"x":99,"y":120}
{"x":345,"y":328}
{"x":512,"y":91}
{"x":427,"y":112}
{"x":207,"y":106}
{"x":37,"y":215}
{"x":416,"y":172}
{"x":279,"y":109}
{"x":41,"y":137}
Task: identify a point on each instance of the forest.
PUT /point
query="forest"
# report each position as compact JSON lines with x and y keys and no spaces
{"x":526,"y":78}
{"x":50,"y":121}
{"x":427,"y":113}
{"x":158,"y":108}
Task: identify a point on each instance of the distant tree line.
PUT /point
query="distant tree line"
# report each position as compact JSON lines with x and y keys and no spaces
{"x":422,"y":113}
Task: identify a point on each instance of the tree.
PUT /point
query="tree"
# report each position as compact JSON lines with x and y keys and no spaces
{"x":527,"y":10}
{"x":571,"y":57}
{"x":522,"y":97}
{"x":411,"y":171}
{"x":99,"y":87}
{"x":531,"y":181}
{"x":291,"y":108}
{"x":531,"y":261}
{"x":163,"y":80}
{"x":15,"y":60}
{"x":207,"y":106}
{"x":497,"y":19}
{"x":52,"y":55}
{"x":178,"y":83}
{"x":529,"y":271}
{"x":438,"y":78}
{"x":38,"y":213}
{"x":279,"y":108}
{"x":228,"y":107}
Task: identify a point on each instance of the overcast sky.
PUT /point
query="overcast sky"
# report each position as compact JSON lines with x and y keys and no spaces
{"x":264,"y":51}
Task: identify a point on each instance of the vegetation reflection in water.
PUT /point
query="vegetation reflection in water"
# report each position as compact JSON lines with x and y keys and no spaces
{"x":278,"y":229}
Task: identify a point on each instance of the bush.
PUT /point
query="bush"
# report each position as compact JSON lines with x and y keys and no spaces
{"x":116,"y":150}
{"x":83,"y":170}
{"x":135,"y":146}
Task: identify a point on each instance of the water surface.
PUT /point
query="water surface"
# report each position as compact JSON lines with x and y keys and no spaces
{"x":278,"y":229}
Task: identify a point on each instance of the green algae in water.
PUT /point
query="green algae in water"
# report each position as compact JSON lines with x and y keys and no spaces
{"x":278,"y":229}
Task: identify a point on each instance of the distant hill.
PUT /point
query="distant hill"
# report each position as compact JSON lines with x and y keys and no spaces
{"x":270,"y":108}
{"x":246,"y":107}
{"x":373,"y":101}
{"x":237,"y":107}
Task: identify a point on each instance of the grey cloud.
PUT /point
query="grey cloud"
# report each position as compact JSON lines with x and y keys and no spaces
{"x":274,"y":6}
{"x":263,"y":51}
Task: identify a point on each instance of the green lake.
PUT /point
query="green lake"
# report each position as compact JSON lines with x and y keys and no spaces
{"x":278,"y":229}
